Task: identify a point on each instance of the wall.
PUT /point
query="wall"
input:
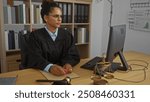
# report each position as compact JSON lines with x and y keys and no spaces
{"x":100,"y":27}
{"x":135,"y":40}
{"x":96,"y":28}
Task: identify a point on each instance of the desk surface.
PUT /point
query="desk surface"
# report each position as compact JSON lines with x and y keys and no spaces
{"x":28,"y":76}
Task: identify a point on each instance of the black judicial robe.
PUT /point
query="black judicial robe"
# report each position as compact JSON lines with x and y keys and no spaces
{"x":41,"y":50}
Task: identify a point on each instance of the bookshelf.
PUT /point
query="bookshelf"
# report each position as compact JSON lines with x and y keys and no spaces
{"x":20,"y":16}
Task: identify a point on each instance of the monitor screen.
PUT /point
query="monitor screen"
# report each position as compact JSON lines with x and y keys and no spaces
{"x":115,"y":47}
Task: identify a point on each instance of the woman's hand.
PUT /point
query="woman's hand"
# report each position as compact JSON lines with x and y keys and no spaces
{"x":57,"y":70}
{"x":67,"y":68}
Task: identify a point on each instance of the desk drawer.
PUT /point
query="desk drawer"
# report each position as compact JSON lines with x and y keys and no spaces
{"x":13,"y":62}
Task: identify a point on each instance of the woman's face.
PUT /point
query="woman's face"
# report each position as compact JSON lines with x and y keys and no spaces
{"x":53,"y":20}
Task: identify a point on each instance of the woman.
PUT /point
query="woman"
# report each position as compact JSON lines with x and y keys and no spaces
{"x":51,"y":48}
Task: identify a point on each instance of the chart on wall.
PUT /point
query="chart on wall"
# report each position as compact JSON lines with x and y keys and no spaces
{"x":139,"y":15}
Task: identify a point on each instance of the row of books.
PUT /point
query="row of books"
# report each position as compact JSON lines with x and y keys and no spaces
{"x":18,"y":14}
{"x":35,"y":13}
{"x":66,"y":12}
{"x":81,"y":12}
{"x":13,"y":39}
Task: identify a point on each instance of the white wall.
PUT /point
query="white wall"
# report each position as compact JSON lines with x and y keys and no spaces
{"x":100,"y":27}
{"x":96,"y":28}
{"x":135,"y":40}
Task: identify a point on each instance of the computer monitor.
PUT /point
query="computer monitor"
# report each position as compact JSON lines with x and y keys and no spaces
{"x":115,"y":47}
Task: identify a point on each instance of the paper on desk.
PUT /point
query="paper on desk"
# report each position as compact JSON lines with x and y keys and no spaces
{"x":50,"y":76}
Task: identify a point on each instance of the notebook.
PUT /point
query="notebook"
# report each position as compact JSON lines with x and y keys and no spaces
{"x":50,"y":76}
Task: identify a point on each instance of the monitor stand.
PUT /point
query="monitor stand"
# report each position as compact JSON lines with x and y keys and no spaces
{"x":123,"y":61}
{"x":113,"y":67}
{"x":117,"y":66}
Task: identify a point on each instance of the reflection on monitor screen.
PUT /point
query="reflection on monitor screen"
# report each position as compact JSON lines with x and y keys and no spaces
{"x":115,"y":47}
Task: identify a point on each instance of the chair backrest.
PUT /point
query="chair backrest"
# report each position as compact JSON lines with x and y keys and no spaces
{"x":24,"y":48}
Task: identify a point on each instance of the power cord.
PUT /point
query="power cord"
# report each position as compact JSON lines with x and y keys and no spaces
{"x":143,"y":65}
{"x":144,"y":68}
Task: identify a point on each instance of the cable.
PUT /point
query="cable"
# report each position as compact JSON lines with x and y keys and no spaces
{"x":145,"y":67}
{"x":144,"y":77}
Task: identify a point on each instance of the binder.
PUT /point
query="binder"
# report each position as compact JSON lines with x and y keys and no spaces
{"x":11,"y":39}
{"x":82,"y":14}
{"x":86,"y":14}
{"x":79,"y":13}
{"x":5,"y":15}
{"x":6,"y":40}
{"x":65,"y":13}
{"x":75,"y":13}
{"x":61,"y":6}
{"x":13,"y":15}
{"x":69,"y":13}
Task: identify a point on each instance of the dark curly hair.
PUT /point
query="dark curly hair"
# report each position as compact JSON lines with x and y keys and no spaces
{"x":47,"y":6}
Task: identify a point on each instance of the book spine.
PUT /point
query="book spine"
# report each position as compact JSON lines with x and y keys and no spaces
{"x":6,"y":40}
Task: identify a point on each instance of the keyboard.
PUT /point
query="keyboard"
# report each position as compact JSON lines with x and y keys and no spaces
{"x":91,"y":63}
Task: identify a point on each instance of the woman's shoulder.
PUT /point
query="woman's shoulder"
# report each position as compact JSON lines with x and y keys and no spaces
{"x":38,"y":33}
{"x":38,"y":30}
{"x":64,"y":31}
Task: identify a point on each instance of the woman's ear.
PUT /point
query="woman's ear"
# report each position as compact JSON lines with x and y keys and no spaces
{"x":45,"y":18}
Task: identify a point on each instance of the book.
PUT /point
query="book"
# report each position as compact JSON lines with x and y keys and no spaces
{"x":22,"y":14}
{"x":6,"y":40}
{"x":69,"y":13}
{"x":65,"y":13}
{"x":86,"y":13}
{"x":16,"y":40}
{"x":11,"y":39}
{"x":75,"y":13}
{"x":13,"y":15}
{"x":5,"y":14}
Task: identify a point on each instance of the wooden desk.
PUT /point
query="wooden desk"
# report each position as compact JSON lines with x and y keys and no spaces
{"x":28,"y":76}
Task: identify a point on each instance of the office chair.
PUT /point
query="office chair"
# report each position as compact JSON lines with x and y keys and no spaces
{"x":23,"y":46}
